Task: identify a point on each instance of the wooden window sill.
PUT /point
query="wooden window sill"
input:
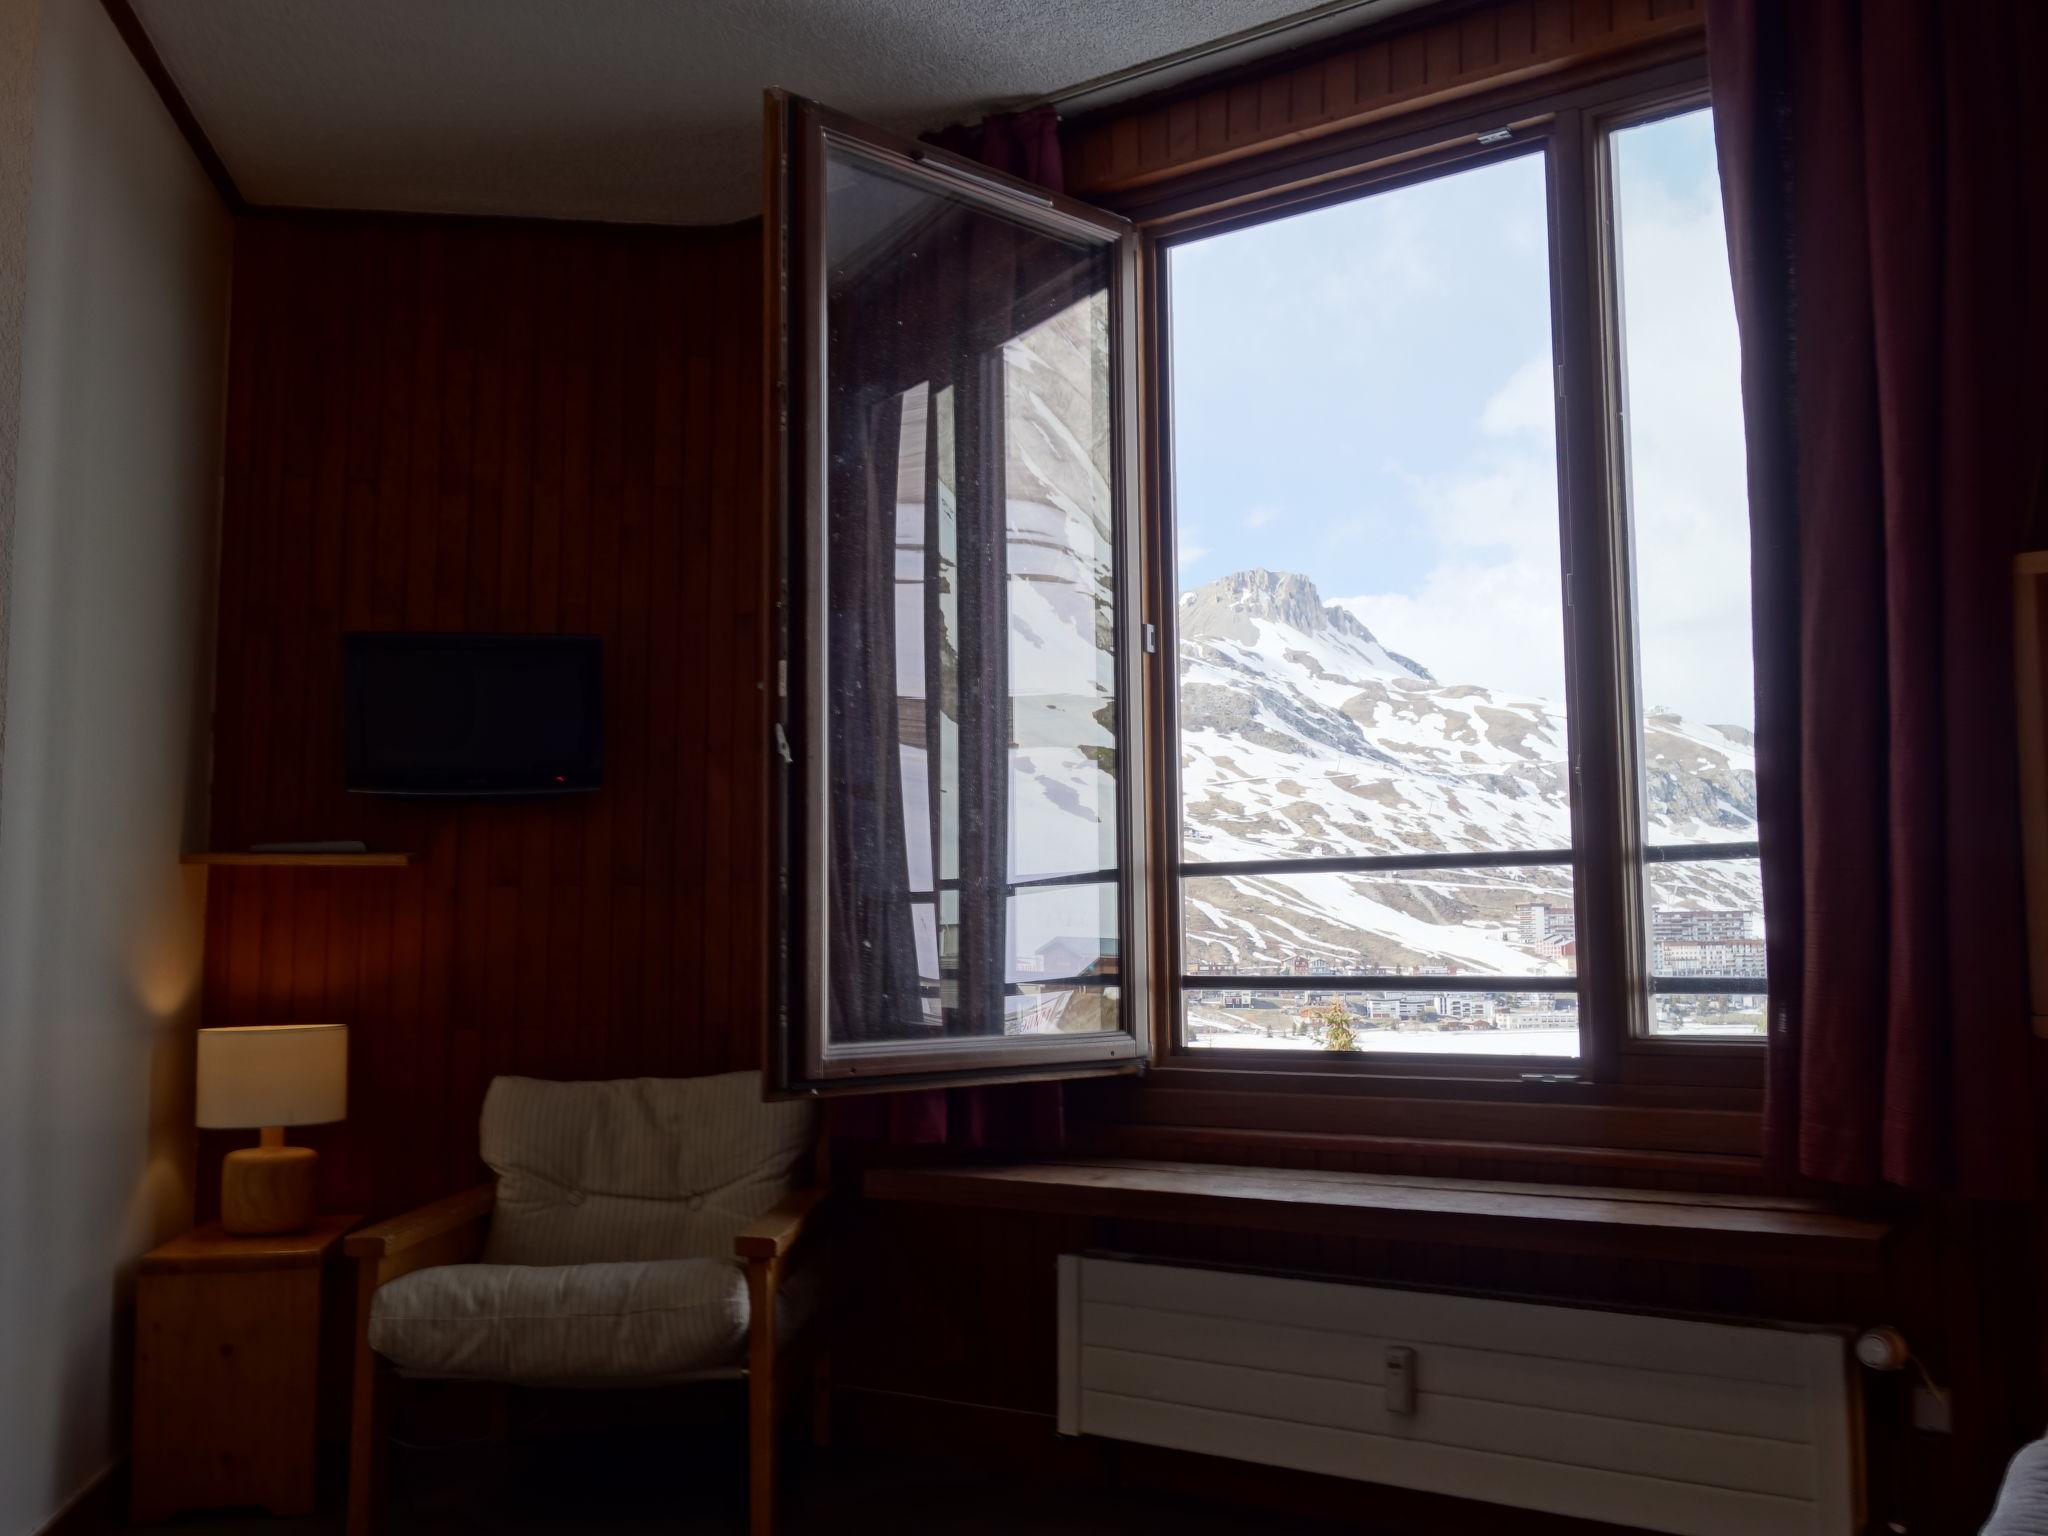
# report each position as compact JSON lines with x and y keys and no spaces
{"x":1739,"y":1229}
{"x":1711,"y":1122}
{"x":1432,"y":1155}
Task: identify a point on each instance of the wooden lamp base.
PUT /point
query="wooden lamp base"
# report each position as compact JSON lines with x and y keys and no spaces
{"x":269,"y":1188}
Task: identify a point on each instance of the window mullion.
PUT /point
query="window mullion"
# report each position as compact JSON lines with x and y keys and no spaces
{"x":1154,"y":574}
{"x":939,"y":705}
{"x":984,"y":708}
{"x":1598,"y":671}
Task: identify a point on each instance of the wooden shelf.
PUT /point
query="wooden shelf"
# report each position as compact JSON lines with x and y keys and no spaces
{"x":303,"y":860}
{"x":1558,"y":1218}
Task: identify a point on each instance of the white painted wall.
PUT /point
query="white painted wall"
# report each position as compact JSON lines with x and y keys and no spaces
{"x":110,"y":394}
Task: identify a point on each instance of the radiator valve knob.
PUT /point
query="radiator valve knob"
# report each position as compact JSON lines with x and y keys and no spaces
{"x":1883,"y":1349}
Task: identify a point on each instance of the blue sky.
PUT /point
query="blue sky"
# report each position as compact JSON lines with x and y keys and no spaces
{"x":1323,"y":362}
{"x":1361,"y":394}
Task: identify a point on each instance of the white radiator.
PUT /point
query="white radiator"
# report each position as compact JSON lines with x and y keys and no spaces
{"x":1706,"y":1429}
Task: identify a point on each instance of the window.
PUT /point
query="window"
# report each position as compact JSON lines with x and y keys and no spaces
{"x":960,"y":870}
{"x":1688,"y":510}
{"x":1464,"y":755}
{"x":1447,"y":552}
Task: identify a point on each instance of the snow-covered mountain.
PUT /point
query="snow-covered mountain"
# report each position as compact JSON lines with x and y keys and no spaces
{"x":1303,"y":736}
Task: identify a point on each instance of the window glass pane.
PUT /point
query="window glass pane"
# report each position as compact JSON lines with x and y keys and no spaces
{"x":1688,"y":495}
{"x":1437,"y":922}
{"x":1061,"y":594}
{"x":1709,"y":1014}
{"x":1063,"y":960}
{"x":969,"y":537}
{"x":1273,"y":1017}
{"x":1371,"y":619}
{"x":1365,"y":491}
{"x":1705,"y":918}
{"x":1706,"y":922}
{"x":1689,"y":524}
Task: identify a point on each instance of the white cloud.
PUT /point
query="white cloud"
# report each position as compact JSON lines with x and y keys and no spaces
{"x":1379,"y":257}
{"x":1261,"y":515}
{"x":1524,"y":404}
{"x":1689,"y":497}
{"x":1490,"y":611}
{"x":1191,"y":554}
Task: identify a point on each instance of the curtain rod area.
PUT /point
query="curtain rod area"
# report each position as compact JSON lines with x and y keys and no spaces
{"x":1272,"y":37}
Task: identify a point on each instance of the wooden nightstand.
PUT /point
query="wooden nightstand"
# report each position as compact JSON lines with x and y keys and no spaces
{"x":228,"y":1353}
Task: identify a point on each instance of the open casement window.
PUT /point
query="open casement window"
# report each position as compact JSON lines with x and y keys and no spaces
{"x":1459,"y":762}
{"x":959,"y":642}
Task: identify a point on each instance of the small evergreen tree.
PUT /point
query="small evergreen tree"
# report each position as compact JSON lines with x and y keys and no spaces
{"x":1334,"y":1022}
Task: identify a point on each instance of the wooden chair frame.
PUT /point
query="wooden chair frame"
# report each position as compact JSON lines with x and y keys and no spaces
{"x":452,"y":1231}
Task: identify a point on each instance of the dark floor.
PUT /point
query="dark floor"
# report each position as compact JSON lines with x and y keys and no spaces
{"x":625,"y":1484}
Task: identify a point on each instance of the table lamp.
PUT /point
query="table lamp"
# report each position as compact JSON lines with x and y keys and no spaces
{"x":271,"y":1076}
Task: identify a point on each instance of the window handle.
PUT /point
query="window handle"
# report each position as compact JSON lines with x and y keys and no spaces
{"x":1399,"y":1379}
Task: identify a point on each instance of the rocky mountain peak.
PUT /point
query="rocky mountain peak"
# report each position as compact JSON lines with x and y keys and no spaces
{"x":1279,"y":596}
{"x":1225,"y":609}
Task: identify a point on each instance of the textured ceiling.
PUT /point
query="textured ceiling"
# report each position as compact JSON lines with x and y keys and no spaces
{"x":631,"y":110}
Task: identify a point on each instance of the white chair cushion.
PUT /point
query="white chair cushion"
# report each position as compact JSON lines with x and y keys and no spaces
{"x":565,"y":1325}
{"x":642,"y":1168}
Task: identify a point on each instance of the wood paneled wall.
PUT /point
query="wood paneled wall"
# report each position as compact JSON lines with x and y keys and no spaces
{"x":483,"y":426}
{"x":1384,"y":71}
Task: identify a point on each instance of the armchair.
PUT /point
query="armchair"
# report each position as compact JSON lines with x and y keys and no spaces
{"x":638,"y":1233}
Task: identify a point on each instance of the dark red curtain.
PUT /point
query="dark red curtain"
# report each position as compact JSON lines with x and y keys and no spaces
{"x":1025,"y":144}
{"x":1017,"y":1116}
{"x":1883,"y":187}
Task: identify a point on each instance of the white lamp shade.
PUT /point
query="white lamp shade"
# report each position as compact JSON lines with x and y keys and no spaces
{"x":272,"y":1074}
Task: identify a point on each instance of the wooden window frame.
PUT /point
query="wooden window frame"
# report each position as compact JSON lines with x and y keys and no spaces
{"x":1620,"y":1062}
{"x":799,"y":134}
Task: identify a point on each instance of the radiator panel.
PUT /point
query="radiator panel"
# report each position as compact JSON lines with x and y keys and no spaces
{"x":1705,"y":1429}
{"x":1658,"y":1397}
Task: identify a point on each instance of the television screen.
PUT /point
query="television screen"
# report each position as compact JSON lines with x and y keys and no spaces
{"x":474,"y":715}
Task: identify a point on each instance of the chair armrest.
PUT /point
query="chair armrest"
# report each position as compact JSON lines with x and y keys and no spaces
{"x":775,"y":1232}
{"x":449,"y":1231}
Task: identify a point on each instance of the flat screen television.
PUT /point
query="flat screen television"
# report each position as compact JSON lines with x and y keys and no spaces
{"x":470,"y":716}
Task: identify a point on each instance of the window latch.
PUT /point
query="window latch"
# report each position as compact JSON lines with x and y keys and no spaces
{"x":1496,"y":135}
{"x":1151,"y":639}
{"x":1550,"y":1077}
